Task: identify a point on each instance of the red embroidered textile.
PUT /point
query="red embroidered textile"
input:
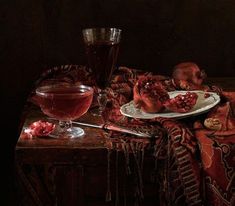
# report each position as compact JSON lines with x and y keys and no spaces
{"x":218,"y":155}
{"x":190,"y":143}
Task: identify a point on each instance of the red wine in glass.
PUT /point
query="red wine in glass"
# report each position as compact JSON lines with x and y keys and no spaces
{"x":65,"y":103}
{"x":102,"y":47}
{"x":102,"y":57}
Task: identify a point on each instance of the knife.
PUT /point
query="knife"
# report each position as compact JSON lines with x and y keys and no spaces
{"x":112,"y":127}
{"x":116,"y":128}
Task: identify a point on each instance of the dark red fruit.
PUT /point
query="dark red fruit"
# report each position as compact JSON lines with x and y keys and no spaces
{"x":182,"y":103}
{"x":188,"y":76}
{"x":41,"y":128}
{"x":206,"y":95}
{"x":149,"y":95}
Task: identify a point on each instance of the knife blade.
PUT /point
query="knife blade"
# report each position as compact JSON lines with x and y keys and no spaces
{"x":116,"y":128}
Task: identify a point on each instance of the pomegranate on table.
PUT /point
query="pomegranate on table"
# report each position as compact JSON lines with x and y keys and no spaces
{"x":188,"y":76}
{"x":41,"y":128}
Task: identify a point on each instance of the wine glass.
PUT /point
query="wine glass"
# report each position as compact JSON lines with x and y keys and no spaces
{"x":102,"y":47}
{"x":65,"y":102}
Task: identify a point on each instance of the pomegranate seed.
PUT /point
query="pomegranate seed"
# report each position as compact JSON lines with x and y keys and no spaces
{"x":206,"y":95}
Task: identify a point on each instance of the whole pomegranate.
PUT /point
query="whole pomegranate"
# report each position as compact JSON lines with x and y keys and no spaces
{"x":149,"y":94}
{"x":187,"y":75}
{"x":181,"y":103}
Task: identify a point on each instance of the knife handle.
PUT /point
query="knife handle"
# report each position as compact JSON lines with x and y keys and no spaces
{"x":136,"y":132}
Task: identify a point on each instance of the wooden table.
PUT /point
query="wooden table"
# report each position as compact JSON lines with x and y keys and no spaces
{"x":74,"y":172}
{"x":70,"y":171}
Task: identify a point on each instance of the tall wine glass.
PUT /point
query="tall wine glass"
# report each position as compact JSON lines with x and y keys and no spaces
{"x":65,"y":103}
{"x":102,"y":47}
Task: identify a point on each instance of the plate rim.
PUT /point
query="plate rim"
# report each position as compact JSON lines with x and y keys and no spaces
{"x":175,"y":114}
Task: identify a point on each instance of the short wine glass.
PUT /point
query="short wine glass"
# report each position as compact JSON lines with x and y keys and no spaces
{"x":102,"y":48}
{"x":65,"y":102}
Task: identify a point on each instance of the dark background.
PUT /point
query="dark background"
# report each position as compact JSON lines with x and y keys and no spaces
{"x":157,"y":34}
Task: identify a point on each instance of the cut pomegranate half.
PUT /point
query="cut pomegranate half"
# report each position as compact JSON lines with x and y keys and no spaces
{"x":182,"y":103}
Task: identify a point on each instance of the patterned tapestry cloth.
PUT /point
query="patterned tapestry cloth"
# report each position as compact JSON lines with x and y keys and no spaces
{"x":217,"y":150}
{"x":200,"y":160}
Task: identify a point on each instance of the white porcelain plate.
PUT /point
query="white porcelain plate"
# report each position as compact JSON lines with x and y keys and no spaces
{"x":203,"y":105}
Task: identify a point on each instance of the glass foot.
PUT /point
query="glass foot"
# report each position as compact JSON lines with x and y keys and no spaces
{"x":74,"y":132}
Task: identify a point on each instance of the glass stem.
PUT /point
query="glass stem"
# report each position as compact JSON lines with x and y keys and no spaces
{"x":65,"y":125}
{"x":102,"y":101}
